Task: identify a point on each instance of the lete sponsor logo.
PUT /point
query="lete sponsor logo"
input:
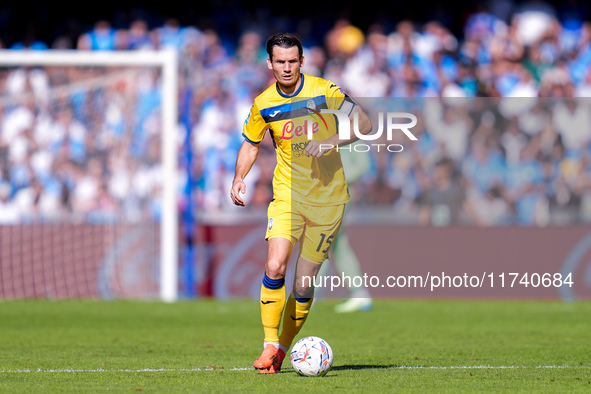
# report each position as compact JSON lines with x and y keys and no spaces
{"x":290,"y":131}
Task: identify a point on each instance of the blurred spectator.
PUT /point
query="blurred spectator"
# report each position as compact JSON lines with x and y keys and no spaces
{"x":102,"y":38}
{"x":252,"y":75}
{"x":23,"y":80}
{"x":9,"y":212}
{"x":365,"y":73}
{"x":36,"y":200}
{"x":170,"y":35}
{"x":69,"y":136}
{"x":86,"y":187}
{"x":524,"y":188}
{"x":450,"y":127}
{"x":513,"y":141}
{"x":138,"y":36}
{"x":315,"y":61}
{"x":491,"y":209}
{"x":483,"y":168}
{"x":533,"y":120}
{"x":444,"y":202}
{"x":30,"y":41}
{"x":572,"y":120}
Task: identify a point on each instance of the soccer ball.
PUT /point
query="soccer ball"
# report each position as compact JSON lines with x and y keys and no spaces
{"x":311,"y":356}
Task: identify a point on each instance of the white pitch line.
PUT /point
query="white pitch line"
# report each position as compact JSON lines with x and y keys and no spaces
{"x":70,"y":370}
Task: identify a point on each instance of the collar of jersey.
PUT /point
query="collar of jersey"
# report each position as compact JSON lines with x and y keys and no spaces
{"x":294,"y":93}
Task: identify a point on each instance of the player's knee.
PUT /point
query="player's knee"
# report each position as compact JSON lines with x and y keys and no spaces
{"x":304,"y":288}
{"x":275,"y":269}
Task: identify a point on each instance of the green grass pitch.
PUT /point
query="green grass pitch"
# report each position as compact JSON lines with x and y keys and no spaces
{"x":196,"y":346}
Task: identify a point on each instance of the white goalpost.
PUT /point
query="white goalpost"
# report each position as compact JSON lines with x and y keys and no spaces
{"x":166,"y":64}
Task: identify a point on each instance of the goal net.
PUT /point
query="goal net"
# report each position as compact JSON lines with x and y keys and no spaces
{"x":88,"y":175}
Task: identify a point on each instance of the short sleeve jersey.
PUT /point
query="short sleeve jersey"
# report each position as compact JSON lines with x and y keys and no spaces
{"x":291,"y":119}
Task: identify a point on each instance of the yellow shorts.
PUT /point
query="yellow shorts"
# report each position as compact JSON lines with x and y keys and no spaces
{"x":314,"y":226}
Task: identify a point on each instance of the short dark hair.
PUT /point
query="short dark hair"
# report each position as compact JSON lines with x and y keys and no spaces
{"x":284,"y":40}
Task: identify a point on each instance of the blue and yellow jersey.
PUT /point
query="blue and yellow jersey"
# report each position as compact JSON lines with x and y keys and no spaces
{"x":289,"y":119}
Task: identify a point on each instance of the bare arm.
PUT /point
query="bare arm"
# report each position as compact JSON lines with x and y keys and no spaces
{"x":247,"y":155}
{"x":314,"y":148}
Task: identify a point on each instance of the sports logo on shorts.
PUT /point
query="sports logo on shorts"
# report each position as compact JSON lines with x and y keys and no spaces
{"x":270,"y":225}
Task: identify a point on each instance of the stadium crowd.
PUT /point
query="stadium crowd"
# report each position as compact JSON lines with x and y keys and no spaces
{"x":504,"y":132}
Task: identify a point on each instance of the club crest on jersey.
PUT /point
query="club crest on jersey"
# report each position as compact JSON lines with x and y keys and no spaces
{"x":270,"y":224}
{"x":311,"y":105}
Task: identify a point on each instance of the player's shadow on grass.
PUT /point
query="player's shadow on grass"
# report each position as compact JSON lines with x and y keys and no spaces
{"x":350,"y":367}
{"x":360,"y":366}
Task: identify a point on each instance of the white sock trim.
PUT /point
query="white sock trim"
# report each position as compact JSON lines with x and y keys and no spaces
{"x":276,"y":344}
{"x":285,"y":349}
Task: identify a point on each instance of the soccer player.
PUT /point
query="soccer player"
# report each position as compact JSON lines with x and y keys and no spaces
{"x":309,"y":186}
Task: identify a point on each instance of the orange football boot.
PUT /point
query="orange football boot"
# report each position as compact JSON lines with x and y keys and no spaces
{"x":266,"y":358}
{"x":276,"y":366}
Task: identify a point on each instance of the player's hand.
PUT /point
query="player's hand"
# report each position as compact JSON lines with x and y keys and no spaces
{"x":237,"y":188}
{"x":317,"y":148}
